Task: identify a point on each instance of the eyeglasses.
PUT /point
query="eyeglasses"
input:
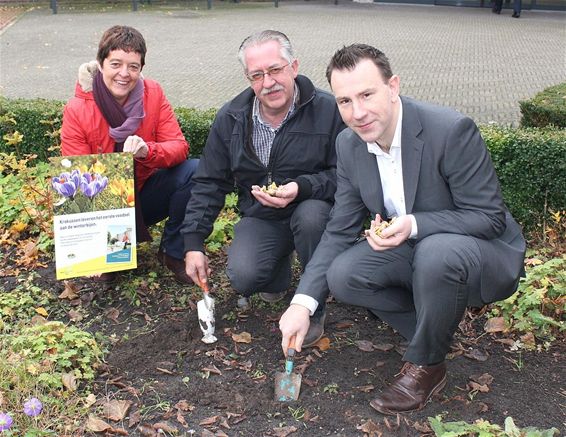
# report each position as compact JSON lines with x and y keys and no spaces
{"x":257,"y":76}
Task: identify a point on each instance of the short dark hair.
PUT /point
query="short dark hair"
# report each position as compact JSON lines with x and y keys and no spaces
{"x":349,"y":56}
{"x":121,"y":38}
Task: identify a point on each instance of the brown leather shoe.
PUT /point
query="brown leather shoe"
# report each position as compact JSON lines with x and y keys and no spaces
{"x":412,"y":389}
{"x":177,"y":266}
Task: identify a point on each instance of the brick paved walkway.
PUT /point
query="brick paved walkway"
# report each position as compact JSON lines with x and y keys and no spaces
{"x":468,"y":58}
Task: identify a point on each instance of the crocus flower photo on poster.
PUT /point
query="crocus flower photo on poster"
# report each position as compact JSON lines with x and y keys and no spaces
{"x":92,"y":183}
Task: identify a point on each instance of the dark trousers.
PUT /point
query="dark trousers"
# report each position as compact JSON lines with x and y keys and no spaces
{"x":517,"y":6}
{"x":421,"y":290}
{"x":260,"y":255}
{"x":166,"y":194}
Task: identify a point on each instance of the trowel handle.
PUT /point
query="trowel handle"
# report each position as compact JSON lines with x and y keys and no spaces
{"x":291,"y":345}
{"x":204,"y":286}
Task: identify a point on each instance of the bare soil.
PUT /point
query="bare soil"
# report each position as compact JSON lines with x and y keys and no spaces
{"x":157,"y":360}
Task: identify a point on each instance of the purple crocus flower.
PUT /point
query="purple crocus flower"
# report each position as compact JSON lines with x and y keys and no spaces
{"x":92,"y":184}
{"x":5,"y":421}
{"x":33,"y":407}
{"x":67,"y":183}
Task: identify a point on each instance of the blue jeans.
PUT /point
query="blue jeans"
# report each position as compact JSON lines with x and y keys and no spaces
{"x":166,"y":194}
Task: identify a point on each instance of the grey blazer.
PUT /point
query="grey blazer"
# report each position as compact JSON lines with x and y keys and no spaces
{"x":450,"y":186}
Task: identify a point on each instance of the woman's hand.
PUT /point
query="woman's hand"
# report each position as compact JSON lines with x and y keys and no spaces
{"x":136,"y":146}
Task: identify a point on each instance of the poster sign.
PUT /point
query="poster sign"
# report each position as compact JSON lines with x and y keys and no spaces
{"x":94,"y":215}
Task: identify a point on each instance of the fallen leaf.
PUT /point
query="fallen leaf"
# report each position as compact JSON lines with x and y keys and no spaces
{"x":69,"y":381}
{"x":181,"y":419}
{"x":365,"y":388}
{"x":220,"y":433}
{"x":482,"y":408}
{"x":244,"y":337}
{"x":90,"y":400}
{"x":384,"y":347}
{"x":30,"y":250}
{"x":224,"y":423}
{"x":364,"y":345}
{"x":495,"y":324}
{"x":370,"y":428}
{"x":484,"y":378}
{"x":184,"y":405}
{"x":323,"y":344}
{"x":475,"y":387}
{"x":41,"y":311}
{"x":135,"y":418}
{"x":212,"y":369}
{"x":75,"y":316}
{"x":208,"y":421}
{"x":284,"y":431}
{"x":476,"y":354}
{"x":533,"y":261}
{"x":167,"y":372}
{"x":113,"y":314}
{"x":422,"y":429}
{"x":116,"y":409}
{"x":95,"y":424}
{"x":147,"y":430}
{"x":70,"y":291}
{"x":528,"y":340}
{"x":164,"y":426}
{"x":505,"y":341}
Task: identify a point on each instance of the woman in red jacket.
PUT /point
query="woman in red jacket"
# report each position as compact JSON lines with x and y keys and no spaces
{"x":116,"y":109}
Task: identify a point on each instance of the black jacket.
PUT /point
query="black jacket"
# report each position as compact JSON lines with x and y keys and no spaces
{"x":303,"y":151}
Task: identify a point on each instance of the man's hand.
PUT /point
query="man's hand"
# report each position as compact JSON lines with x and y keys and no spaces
{"x":294,"y":322}
{"x":136,"y":146}
{"x":392,"y":236}
{"x":196,"y":266}
{"x":284,"y":195}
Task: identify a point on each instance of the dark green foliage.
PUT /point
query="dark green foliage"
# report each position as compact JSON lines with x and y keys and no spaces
{"x":195,"y":125}
{"x":39,"y":121}
{"x":530,"y":163}
{"x":531,"y":166}
{"x":547,"y":108}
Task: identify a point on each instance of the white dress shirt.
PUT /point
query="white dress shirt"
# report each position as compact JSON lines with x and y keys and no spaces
{"x":391,"y":175}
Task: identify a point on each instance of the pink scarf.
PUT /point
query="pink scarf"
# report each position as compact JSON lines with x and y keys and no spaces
{"x":123,"y":120}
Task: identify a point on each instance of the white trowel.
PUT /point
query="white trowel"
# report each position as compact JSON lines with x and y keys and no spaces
{"x":205,"y":311}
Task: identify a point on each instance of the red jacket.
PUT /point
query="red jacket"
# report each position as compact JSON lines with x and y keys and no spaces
{"x":85,"y":131}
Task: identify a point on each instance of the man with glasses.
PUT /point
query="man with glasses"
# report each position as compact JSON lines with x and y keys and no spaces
{"x":280,"y":130}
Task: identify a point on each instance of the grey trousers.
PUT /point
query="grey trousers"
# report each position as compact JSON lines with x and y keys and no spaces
{"x":260,"y":255}
{"x":421,"y":289}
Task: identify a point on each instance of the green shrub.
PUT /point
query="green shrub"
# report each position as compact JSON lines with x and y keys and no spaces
{"x":63,"y":349}
{"x":531,"y":166}
{"x":195,"y":125}
{"x":546,"y":108}
{"x":539,"y":304}
{"x":38,"y":122}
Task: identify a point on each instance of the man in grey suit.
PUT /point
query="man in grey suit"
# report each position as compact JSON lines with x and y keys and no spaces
{"x":452,"y":244}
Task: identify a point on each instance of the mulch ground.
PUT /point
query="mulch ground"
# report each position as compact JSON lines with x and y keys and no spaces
{"x":156,"y":360}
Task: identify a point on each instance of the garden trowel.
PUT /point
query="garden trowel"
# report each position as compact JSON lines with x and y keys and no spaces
{"x":205,"y":311}
{"x":287,"y":383}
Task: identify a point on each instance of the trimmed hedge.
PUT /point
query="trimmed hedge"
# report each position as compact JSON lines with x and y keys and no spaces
{"x":530,"y":163}
{"x":531,"y":166}
{"x":547,"y":108}
{"x":39,"y":121}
